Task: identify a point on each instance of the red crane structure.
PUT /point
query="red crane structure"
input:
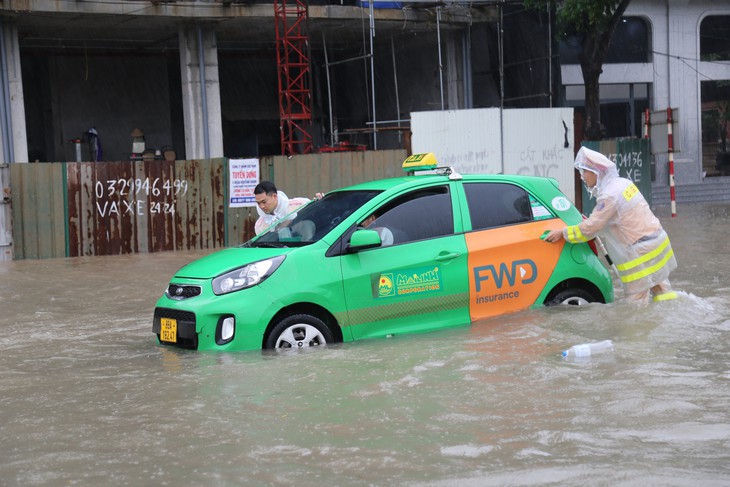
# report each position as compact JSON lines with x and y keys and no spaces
{"x":295,"y":96}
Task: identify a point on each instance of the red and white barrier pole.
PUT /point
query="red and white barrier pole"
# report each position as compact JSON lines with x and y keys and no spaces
{"x":647,"y":121}
{"x":670,"y":148}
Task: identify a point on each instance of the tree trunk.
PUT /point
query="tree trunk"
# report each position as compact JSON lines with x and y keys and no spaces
{"x":593,"y":126}
{"x":592,"y":56}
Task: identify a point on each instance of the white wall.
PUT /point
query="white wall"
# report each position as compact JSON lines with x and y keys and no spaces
{"x":490,"y":140}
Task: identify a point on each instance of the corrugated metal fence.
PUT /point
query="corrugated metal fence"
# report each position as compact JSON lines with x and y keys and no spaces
{"x":109,"y":208}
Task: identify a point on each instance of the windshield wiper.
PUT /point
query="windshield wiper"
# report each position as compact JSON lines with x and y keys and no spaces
{"x":276,"y":245}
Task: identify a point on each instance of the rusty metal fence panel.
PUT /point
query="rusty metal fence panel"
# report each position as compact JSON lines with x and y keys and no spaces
{"x":112,"y":208}
{"x":150,"y":206}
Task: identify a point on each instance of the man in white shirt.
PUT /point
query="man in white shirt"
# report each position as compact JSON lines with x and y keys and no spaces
{"x":272,"y":205}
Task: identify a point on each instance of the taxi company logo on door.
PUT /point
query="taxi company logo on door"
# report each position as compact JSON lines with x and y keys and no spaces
{"x":409,"y":281}
{"x":525,"y":269}
{"x":385,"y":285}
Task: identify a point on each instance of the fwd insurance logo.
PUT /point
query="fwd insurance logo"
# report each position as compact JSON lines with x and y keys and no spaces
{"x":524,"y":269}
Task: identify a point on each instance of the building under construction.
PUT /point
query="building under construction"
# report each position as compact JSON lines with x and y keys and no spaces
{"x":207,"y":79}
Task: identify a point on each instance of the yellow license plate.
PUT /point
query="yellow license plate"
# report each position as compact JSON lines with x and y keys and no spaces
{"x":168,"y":330}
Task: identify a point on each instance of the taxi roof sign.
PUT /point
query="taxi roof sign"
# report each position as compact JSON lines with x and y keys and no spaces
{"x":420,"y":162}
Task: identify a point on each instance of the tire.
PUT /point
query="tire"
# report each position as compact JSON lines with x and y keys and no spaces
{"x":571,"y":297}
{"x":299,"y":331}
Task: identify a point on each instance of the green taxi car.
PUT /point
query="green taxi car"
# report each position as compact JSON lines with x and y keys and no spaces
{"x":410,"y":254}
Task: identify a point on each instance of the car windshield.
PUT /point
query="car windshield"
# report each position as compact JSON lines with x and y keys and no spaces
{"x":313,"y":221}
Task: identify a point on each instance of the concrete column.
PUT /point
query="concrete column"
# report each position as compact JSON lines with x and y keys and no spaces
{"x":684,"y":91}
{"x":201,"y":108}
{"x":14,"y":103}
{"x":454,"y":70}
{"x":6,"y":230}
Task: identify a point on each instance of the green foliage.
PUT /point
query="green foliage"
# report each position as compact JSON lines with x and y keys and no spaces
{"x":580,"y":17}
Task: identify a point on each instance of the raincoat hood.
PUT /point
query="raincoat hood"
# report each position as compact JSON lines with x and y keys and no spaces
{"x":597,"y":163}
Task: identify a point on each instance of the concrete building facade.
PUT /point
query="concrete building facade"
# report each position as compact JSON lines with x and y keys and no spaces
{"x":674,"y":75}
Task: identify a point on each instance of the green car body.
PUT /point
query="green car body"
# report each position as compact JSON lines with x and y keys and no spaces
{"x":454,"y":252}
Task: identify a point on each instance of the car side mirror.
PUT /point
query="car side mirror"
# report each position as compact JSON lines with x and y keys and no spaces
{"x":364,"y":239}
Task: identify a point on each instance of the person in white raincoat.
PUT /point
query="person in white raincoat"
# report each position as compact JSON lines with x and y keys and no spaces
{"x":272,"y":205}
{"x":636,"y":242}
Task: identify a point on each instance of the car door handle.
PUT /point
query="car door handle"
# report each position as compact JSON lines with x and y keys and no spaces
{"x":447,"y":256}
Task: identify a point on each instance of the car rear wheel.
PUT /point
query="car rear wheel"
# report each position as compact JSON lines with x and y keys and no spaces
{"x":299,"y":331}
{"x":571,"y":297}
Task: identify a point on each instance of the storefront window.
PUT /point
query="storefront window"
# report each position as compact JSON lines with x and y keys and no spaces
{"x":715,"y":47}
{"x":715,"y":127}
{"x":622,"y":106}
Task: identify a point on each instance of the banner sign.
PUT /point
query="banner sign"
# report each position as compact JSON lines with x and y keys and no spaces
{"x":243,"y":177}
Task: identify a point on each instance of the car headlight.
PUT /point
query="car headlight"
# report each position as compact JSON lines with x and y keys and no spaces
{"x":246,"y":276}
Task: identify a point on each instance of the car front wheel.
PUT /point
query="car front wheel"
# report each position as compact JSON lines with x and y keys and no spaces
{"x":572,"y":297}
{"x":299,"y":331}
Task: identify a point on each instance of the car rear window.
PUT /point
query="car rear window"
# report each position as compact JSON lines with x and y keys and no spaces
{"x":497,"y":204}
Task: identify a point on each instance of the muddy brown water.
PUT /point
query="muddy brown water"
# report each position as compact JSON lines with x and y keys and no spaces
{"x":88,"y":398}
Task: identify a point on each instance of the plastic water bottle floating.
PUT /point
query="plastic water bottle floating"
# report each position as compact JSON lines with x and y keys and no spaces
{"x":588,"y":349}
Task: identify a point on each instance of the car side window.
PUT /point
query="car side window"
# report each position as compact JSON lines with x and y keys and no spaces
{"x":418,"y":215}
{"x":497,"y":204}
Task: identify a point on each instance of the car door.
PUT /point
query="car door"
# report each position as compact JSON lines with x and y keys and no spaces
{"x":509,"y":264}
{"x":418,"y":282}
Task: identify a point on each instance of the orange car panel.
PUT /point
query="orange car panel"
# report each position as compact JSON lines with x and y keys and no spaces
{"x":509,"y":267}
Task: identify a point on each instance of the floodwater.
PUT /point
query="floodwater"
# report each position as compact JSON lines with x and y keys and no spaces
{"x":87,"y":397}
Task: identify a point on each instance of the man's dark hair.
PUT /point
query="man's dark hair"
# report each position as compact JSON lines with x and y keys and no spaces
{"x":265,"y":187}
